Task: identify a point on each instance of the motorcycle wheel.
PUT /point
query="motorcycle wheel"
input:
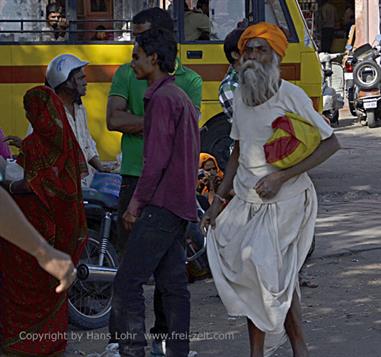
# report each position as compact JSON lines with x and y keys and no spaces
{"x":197,"y":269}
{"x":90,"y":302}
{"x":352,"y":108}
{"x":351,"y":103}
{"x":371,"y":118}
{"x":371,"y":81}
{"x":335,"y":118}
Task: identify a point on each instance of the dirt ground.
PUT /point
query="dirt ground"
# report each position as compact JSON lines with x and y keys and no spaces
{"x":342,"y":315}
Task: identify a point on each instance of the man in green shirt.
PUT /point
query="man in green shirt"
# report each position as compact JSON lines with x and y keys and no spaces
{"x":125,"y":114}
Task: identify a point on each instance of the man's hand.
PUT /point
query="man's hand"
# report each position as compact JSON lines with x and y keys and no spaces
{"x":128,"y":220}
{"x":267,"y":187}
{"x":13,"y":140}
{"x":63,"y":23}
{"x":106,"y":169}
{"x":59,"y":265}
{"x":109,"y":166}
{"x":209,"y":218}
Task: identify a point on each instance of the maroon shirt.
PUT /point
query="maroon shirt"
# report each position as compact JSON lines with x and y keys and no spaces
{"x":171,"y":152}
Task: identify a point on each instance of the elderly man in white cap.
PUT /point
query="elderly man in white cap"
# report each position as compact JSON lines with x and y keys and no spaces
{"x":65,"y":74}
{"x":258,"y":244}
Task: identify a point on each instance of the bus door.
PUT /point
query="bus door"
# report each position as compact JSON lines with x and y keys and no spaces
{"x":202,"y":31}
{"x":301,"y":64}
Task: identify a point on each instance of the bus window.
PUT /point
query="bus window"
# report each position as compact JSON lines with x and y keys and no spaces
{"x":276,"y":12}
{"x":128,"y":9}
{"x":26,"y":23}
{"x":211,"y":20}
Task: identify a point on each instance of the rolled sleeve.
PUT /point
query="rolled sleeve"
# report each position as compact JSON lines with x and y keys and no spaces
{"x":315,"y":118}
{"x":120,"y":82}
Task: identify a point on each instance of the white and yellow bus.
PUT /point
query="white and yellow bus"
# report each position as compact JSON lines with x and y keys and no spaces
{"x":23,"y":57}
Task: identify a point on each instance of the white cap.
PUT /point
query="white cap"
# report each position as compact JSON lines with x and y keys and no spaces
{"x":60,"y":67}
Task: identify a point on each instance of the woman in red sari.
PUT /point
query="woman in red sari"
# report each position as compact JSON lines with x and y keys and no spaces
{"x":52,"y":202}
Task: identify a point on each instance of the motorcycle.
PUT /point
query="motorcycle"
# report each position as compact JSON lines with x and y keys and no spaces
{"x":367,"y":83}
{"x":333,"y":101}
{"x":91,"y":295}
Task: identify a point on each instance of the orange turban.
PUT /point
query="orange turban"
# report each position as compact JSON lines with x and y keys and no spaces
{"x":269,"y":32}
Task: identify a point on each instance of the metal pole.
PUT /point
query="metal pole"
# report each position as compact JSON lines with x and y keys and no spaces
{"x":71,"y":14}
{"x":367,"y":20}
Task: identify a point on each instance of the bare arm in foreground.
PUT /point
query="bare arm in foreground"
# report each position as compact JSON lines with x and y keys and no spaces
{"x":15,"y":228}
{"x":119,"y":119}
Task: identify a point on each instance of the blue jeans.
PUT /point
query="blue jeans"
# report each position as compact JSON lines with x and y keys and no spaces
{"x":156,"y":246}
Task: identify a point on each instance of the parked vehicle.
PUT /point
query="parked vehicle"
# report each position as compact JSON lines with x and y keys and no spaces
{"x":367,"y":83}
{"x":25,"y":56}
{"x":332,"y":99}
{"x":91,"y":294}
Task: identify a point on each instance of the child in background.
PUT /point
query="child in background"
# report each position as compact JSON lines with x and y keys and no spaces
{"x":210,"y":176}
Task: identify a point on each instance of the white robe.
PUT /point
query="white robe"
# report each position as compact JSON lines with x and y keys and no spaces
{"x":255,"y":254}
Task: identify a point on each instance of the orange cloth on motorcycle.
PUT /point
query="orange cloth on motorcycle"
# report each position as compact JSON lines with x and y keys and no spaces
{"x":269,"y":32}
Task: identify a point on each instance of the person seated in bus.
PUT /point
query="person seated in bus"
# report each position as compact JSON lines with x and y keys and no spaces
{"x":196,"y":21}
{"x":100,"y":34}
{"x":56,"y":24}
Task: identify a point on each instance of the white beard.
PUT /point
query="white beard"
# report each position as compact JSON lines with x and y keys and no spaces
{"x":259,"y":82}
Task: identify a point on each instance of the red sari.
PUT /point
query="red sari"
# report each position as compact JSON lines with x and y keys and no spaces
{"x":53,"y":164}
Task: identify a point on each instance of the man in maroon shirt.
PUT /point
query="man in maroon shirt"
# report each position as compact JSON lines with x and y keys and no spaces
{"x":162,"y":205}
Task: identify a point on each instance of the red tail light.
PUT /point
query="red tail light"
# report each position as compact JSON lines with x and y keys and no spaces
{"x":348,"y":67}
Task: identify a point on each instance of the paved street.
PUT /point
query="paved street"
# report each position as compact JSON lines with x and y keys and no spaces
{"x":342,"y":315}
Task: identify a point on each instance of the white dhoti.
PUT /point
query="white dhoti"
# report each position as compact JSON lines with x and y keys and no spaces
{"x":255,"y":254}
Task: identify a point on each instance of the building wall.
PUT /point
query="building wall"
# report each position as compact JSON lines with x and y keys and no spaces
{"x":367,"y":15}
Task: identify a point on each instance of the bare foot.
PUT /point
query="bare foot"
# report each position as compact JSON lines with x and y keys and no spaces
{"x":301,"y":351}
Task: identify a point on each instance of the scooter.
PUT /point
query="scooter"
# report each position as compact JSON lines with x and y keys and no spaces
{"x":367,"y":84}
{"x":332,"y":100}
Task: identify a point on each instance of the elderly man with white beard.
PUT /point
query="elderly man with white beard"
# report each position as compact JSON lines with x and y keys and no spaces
{"x":258,"y":243}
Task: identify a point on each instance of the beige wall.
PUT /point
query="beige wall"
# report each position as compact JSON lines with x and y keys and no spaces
{"x":367,"y":21}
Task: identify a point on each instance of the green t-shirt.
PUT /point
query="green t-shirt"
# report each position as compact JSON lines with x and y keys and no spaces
{"x":125,"y":85}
